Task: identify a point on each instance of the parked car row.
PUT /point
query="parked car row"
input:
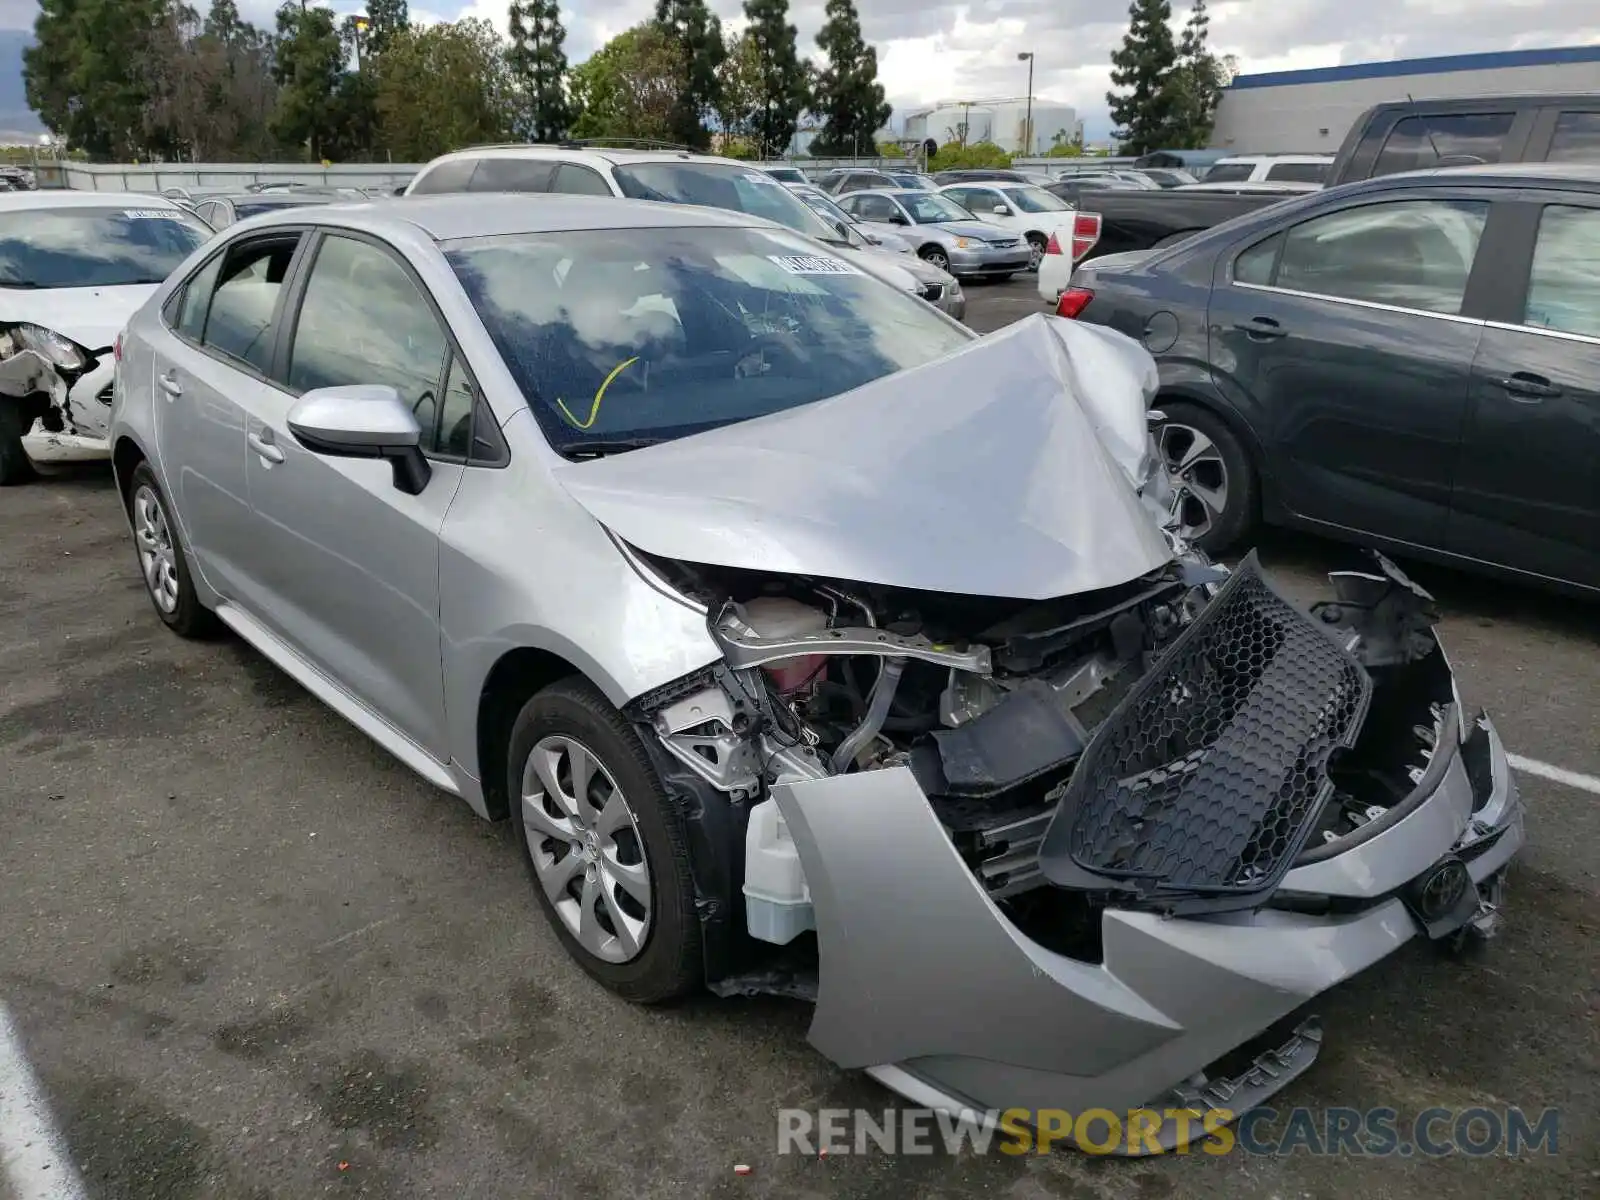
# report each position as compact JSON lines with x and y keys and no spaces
{"x":811,"y":643}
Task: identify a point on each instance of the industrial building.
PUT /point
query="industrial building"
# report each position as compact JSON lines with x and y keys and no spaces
{"x":1002,"y":121}
{"x":1300,"y":112}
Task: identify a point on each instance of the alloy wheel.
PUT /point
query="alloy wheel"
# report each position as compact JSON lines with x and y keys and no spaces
{"x":587,"y":852}
{"x":1035,"y":254}
{"x":1199,"y":478}
{"x":158,"y":558}
{"x":937,"y":258}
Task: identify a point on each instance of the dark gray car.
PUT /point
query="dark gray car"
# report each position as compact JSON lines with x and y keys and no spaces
{"x":1412,"y":361}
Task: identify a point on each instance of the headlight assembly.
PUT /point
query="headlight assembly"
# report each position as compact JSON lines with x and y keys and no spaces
{"x":61,"y":352}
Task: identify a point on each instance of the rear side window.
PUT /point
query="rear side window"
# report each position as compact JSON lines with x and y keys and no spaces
{"x":1564,"y":283}
{"x":1408,"y":253}
{"x":191,"y":322}
{"x":1298,"y":172}
{"x":1455,"y":139}
{"x":1577,"y":138}
{"x":239,"y":323}
{"x":580,"y":181}
{"x":512,"y":175}
{"x":1256,"y":264}
{"x":453,"y":175}
{"x":1230,"y":172}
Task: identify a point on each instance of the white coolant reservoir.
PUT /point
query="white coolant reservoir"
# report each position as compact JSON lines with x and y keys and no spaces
{"x":782,"y":617}
{"x":777,"y":902}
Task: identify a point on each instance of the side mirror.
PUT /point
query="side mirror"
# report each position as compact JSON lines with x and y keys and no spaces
{"x":898,"y":219}
{"x":363,"y":421}
{"x":1000,"y":210}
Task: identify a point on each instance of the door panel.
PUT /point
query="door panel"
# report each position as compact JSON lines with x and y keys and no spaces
{"x":1528,"y":494}
{"x":353,"y":574}
{"x":1353,"y":361}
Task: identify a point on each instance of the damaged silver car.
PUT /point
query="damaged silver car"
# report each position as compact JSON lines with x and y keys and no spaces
{"x":812,"y":644}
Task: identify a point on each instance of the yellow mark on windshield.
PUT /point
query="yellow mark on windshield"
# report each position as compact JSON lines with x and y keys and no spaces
{"x":594,"y":409}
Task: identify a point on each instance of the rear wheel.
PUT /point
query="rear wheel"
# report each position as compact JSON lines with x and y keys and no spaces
{"x":15,"y":466}
{"x":935,"y":256}
{"x":1213,"y":483}
{"x":609,"y":863}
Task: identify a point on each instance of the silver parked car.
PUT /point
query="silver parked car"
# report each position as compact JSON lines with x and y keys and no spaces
{"x":944,"y":233}
{"x":812,"y":643}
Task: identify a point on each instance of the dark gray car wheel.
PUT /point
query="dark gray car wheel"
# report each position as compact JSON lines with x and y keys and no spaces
{"x":935,"y":256}
{"x":609,"y":861}
{"x":1213,"y":484}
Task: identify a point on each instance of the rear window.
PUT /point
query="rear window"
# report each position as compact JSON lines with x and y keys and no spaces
{"x":1577,"y":138}
{"x":452,"y":176}
{"x":716,"y":185}
{"x":653,"y":334}
{"x":1290,"y":172}
{"x":95,"y":247}
{"x":1230,"y":173}
{"x":1454,"y":139}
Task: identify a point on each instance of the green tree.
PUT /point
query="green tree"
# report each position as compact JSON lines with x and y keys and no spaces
{"x":954,"y":156}
{"x":849,"y":97}
{"x":1197,"y":82}
{"x":739,"y":89}
{"x":629,"y":87}
{"x":210,"y":86}
{"x":442,"y":87}
{"x":86,"y":74}
{"x":538,"y":63}
{"x":1145,"y":104}
{"x":698,"y":34}
{"x":784,"y":89}
{"x":309,"y":67}
{"x":385,"y":19}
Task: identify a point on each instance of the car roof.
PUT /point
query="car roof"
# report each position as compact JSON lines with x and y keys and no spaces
{"x":450,"y":216}
{"x":1586,"y":175}
{"x":54,"y":198}
{"x":616,"y":156}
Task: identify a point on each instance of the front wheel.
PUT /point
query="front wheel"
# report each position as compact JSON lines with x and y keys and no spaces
{"x":609,"y":862}
{"x":162,"y":561}
{"x":1036,"y":248}
{"x":935,"y":256}
{"x":1213,"y":484}
{"x":15,"y":465}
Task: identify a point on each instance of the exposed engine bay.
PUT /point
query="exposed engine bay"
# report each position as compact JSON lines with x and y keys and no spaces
{"x":1175,"y":744}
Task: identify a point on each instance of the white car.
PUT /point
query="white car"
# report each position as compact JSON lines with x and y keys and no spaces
{"x":1270,"y":168}
{"x":1021,"y":208}
{"x":74,"y":267}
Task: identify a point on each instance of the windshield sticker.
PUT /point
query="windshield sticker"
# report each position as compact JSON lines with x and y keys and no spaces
{"x":805,"y":264}
{"x":150,"y":214}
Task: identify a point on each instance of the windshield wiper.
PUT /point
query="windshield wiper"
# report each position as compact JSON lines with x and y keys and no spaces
{"x":20,"y":284}
{"x":599,"y":447}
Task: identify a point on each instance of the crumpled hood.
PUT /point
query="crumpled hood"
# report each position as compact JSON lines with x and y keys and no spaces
{"x":1009,"y":468}
{"x":90,"y":316}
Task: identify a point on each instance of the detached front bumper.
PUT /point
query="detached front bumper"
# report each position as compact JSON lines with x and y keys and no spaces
{"x":77,"y":430}
{"x":928,"y":986}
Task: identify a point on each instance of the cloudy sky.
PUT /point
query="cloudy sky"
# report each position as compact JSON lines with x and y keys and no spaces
{"x":929,"y":50}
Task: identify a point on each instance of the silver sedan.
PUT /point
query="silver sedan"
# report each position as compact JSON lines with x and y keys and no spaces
{"x":944,"y":233}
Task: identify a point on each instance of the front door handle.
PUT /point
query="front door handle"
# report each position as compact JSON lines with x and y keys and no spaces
{"x":261,"y":443}
{"x":1525,"y":385}
{"x":1261,"y":327}
{"x":169,"y":383}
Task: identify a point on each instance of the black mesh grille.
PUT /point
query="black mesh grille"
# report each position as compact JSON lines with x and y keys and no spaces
{"x":1208,"y":776}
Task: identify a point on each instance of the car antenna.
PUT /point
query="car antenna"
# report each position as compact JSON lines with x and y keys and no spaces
{"x":1438,"y":159}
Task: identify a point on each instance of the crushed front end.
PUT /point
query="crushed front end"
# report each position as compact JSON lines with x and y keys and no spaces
{"x":55,"y":395}
{"x":1076,"y":853}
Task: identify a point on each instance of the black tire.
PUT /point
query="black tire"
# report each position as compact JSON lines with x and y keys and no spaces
{"x":1238,"y":517}
{"x":1038,"y":243}
{"x":936,"y":256}
{"x":188,"y":618}
{"x":669,"y":965}
{"x":15,"y":465}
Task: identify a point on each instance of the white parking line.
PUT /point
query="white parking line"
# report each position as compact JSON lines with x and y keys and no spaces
{"x":33,"y":1158}
{"x":1573,"y":779}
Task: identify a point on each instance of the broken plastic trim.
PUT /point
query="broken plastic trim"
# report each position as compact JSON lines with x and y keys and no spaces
{"x":745,"y":650}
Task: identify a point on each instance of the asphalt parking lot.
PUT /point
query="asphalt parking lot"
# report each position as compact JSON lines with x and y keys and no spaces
{"x":251,"y":956}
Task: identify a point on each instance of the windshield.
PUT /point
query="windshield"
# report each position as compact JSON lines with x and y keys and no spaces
{"x":95,"y":247}
{"x":929,"y":208}
{"x":633,"y":336}
{"x":721,"y":185}
{"x":1034,"y":200}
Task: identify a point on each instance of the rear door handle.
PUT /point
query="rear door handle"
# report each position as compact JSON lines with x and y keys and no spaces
{"x":1261,"y":327}
{"x":261,"y":443}
{"x":1526,"y":385}
{"x":169,"y":383}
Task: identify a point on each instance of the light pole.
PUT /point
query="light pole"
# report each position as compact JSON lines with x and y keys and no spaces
{"x":359,"y":23}
{"x":1027,"y":121}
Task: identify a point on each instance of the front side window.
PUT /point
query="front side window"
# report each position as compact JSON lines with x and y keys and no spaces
{"x":1034,"y":200}
{"x":1564,"y":282}
{"x":1453,"y":139}
{"x":1409,"y":253}
{"x":239,"y":322}
{"x":1577,"y":138}
{"x":874,"y":208}
{"x":929,"y":208}
{"x":719,"y":185}
{"x":652,"y":334}
{"x":363,"y":321}
{"x":95,"y":247}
